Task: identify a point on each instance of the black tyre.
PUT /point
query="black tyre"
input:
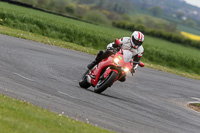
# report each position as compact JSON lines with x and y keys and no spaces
{"x":83,"y":82}
{"x":103,"y":84}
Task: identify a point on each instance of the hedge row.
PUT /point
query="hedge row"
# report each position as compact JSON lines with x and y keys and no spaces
{"x":49,"y":28}
{"x":173,"y":37}
{"x":172,"y":59}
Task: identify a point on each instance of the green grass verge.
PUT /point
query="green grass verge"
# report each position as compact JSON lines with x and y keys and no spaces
{"x":194,"y":106}
{"x":43,"y":39}
{"x":17,"y":116}
{"x":197,"y":104}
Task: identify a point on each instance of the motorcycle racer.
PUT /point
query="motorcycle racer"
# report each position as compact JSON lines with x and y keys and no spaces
{"x":133,"y":44}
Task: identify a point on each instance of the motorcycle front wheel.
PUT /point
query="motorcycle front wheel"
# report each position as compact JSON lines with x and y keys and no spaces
{"x":83,"y":82}
{"x":104,"y":83}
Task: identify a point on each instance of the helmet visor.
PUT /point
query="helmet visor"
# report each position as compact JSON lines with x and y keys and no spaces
{"x":137,"y":43}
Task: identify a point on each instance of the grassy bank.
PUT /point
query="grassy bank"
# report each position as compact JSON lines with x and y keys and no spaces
{"x":57,"y":27}
{"x":17,"y":116}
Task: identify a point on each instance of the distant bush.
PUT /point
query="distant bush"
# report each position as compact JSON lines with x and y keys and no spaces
{"x":173,"y":37}
{"x":96,"y":16}
{"x":70,"y":9}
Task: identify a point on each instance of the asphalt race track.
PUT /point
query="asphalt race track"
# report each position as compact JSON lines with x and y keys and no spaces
{"x":47,"y":76}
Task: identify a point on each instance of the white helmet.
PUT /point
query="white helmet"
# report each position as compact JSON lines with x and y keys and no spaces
{"x":137,"y":38}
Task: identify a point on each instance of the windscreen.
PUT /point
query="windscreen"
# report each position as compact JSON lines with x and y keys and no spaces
{"x":127,"y":55}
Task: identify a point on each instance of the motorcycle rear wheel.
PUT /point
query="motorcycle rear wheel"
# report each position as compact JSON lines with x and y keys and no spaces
{"x":103,"y":84}
{"x":83,"y":82}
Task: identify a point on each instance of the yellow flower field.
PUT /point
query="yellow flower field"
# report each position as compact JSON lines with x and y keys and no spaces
{"x":191,"y":36}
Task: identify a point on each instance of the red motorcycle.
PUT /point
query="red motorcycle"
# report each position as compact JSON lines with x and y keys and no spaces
{"x":108,"y":71}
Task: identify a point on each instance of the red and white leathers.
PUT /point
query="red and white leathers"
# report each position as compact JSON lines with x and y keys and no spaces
{"x":127,"y":44}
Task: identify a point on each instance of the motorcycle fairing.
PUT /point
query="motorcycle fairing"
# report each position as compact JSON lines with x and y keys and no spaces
{"x":107,"y":72}
{"x":97,"y":70}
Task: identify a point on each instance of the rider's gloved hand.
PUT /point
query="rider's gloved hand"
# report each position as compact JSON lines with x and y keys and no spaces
{"x":115,"y":45}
